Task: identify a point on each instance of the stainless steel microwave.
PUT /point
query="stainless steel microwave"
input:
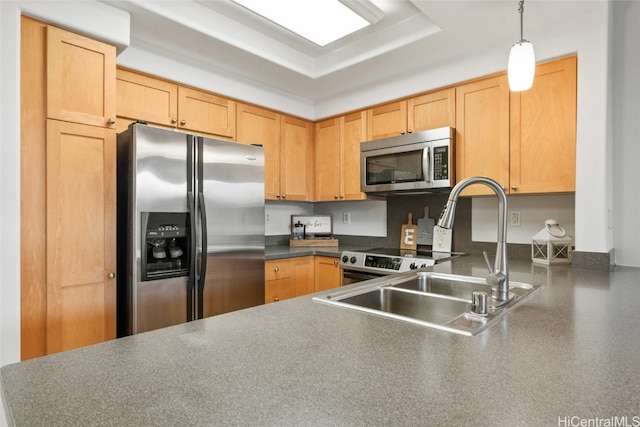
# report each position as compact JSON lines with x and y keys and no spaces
{"x":419,"y":162}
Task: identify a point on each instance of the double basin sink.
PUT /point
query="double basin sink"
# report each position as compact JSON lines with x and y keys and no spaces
{"x":436,"y":300}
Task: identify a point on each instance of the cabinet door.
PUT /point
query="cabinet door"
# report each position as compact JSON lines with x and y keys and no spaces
{"x":296,"y":159}
{"x":387,"y":120}
{"x":353,"y":131}
{"x":543,"y":131}
{"x":328,"y":273}
{"x":303,"y":275}
{"x":432,"y":110}
{"x":204,"y":112}
{"x":80,"y":237}
{"x":482,"y":132}
{"x":140,"y":97}
{"x":81,"y":79}
{"x":259,"y":126}
{"x":328,"y":161}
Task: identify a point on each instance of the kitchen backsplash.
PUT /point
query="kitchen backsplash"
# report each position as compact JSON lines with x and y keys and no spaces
{"x":377,"y":223}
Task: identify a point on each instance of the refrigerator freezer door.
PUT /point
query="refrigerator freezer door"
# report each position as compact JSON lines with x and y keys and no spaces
{"x":161,"y":182}
{"x":231,"y":186}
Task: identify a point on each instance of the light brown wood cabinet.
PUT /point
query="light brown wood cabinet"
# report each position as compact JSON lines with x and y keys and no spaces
{"x":257,"y":125}
{"x":294,"y":277}
{"x":141,"y":97}
{"x":337,"y":157}
{"x":428,"y":111}
{"x":543,"y":131}
{"x":296,"y":159}
{"x":165,"y":103}
{"x":80,"y":237}
{"x":482,"y":132}
{"x":525,"y":141}
{"x":328,"y":274}
{"x":288,"y":150}
{"x":68,"y":185}
{"x":205,"y":112}
{"x":80,"y":79}
{"x":288,"y":278}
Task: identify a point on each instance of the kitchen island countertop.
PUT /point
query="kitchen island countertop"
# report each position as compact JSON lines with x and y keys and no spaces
{"x":570,"y":354}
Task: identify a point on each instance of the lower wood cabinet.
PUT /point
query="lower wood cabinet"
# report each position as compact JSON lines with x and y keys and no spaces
{"x":294,"y":277}
{"x":328,"y":274}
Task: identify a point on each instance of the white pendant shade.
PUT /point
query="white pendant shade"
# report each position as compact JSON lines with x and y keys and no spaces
{"x":522,"y":66}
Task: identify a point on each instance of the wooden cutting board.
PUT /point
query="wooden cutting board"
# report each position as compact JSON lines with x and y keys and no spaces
{"x":425,"y":228}
{"x":409,"y":234}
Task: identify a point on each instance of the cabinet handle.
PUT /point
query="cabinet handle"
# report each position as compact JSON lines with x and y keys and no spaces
{"x":112,"y":275}
{"x":276,"y":299}
{"x":276,"y":269}
{"x":174,"y":120}
{"x":284,"y":196}
{"x":401,"y":132}
{"x":183,"y":122}
{"x":111,"y":121}
{"x":514,"y":187}
{"x":342,"y":196}
{"x":409,"y":131}
{"x":278,"y":195}
{"x":335,"y":262}
{"x":335,"y":196}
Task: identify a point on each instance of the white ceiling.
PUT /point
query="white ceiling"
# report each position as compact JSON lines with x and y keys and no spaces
{"x":224,"y":38}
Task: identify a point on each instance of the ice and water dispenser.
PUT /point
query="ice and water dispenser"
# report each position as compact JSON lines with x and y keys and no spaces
{"x":165,"y":246}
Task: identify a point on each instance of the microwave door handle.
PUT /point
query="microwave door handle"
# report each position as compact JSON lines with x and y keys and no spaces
{"x":426,"y":164}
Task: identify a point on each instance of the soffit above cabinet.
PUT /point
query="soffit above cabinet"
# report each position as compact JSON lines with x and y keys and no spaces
{"x":412,"y":36}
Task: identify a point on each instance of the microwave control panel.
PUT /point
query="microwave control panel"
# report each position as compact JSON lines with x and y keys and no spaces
{"x":441,"y":163}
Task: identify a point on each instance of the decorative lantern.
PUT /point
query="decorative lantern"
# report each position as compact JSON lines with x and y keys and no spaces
{"x":551,"y":245}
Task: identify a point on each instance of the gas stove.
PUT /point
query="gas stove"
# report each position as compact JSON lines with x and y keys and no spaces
{"x":385,"y":261}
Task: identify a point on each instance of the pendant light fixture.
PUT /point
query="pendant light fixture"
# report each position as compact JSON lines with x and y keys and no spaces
{"x":522,"y":61}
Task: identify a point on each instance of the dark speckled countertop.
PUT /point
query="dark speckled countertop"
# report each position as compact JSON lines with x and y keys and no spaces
{"x":569,"y":355}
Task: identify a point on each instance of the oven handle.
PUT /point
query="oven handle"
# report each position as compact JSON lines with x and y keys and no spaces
{"x":350,"y":274}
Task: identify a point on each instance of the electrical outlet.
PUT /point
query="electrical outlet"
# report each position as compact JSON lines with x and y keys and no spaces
{"x":346,"y":217}
{"x":514,"y":218}
{"x":267,"y":218}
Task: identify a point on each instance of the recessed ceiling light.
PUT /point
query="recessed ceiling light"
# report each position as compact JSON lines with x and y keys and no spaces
{"x":319,"y":21}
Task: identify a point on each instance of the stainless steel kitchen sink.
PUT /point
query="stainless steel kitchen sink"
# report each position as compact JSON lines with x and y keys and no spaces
{"x":436,"y":300}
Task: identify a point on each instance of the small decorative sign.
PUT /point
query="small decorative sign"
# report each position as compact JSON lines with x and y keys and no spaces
{"x":314,"y":225}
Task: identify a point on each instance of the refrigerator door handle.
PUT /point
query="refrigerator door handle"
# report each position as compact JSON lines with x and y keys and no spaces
{"x":192,"y":271}
{"x":203,"y":258}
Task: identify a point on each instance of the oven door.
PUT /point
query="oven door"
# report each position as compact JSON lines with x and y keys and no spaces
{"x":352,"y":276}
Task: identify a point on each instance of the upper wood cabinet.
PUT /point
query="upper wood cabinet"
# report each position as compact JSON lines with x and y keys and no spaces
{"x":526,"y":141}
{"x":296,"y":159}
{"x":257,"y":125}
{"x":140,"y":97}
{"x":338,"y":157}
{"x":543,"y":131}
{"x":428,"y":111}
{"x":204,"y":112}
{"x":164,"y":103}
{"x":80,"y":79}
{"x":482,"y":132}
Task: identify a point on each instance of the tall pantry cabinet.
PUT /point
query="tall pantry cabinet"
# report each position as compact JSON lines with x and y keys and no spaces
{"x":68,"y":191}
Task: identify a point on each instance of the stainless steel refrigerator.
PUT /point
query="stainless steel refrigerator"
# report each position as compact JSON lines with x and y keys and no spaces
{"x":190,"y":228}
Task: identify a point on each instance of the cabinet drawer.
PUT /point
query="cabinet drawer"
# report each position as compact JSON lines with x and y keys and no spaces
{"x":278,"y":290}
{"x":277,"y":269}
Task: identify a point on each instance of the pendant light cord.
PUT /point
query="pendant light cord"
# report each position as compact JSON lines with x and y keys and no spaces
{"x":521,"y":11}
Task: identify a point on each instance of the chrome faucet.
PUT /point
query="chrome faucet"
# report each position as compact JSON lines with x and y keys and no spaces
{"x":498,"y":277}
